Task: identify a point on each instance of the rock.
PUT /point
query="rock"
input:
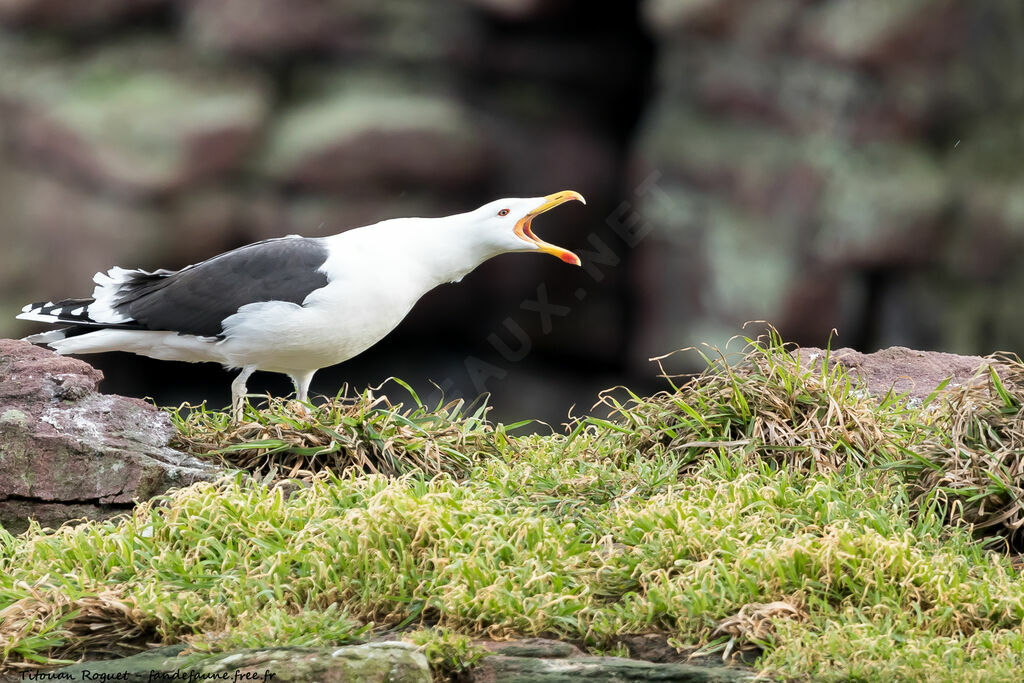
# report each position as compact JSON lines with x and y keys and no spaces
{"x":670,"y":18}
{"x":987,"y":177}
{"x":354,"y":140}
{"x":822,"y":299}
{"x":504,"y":669}
{"x":136,"y":120}
{"x":401,"y":29}
{"x":722,"y":265}
{"x":883,"y":32}
{"x":853,"y":148}
{"x":380,"y":662}
{"x":73,"y":14}
{"x":759,"y":168}
{"x":531,"y":647}
{"x":655,"y":647}
{"x":994,"y":208}
{"x":900,"y":370}
{"x":755,"y":223}
{"x":67,"y":450}
{"x":880,"y":205}
{"x":807,"y":97}
{"x":541,"y":660}
{"x":754,"y":28}
{"x":134,"y":669}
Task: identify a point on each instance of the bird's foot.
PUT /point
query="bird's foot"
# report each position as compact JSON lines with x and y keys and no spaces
{"x":237,"y":410}
{"x":300,"y":408}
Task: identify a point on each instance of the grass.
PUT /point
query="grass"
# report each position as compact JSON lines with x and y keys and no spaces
{"x":762,"y":507}
{"x":973,"y":455}
{"x":292,"y":440}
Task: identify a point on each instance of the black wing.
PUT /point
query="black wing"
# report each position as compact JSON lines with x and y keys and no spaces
{"x":197,"y":299}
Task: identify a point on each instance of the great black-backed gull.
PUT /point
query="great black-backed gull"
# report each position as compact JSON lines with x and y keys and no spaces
{"x":291,"y":304}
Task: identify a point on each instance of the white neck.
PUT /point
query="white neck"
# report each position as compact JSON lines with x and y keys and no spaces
{"x":426,"y":251}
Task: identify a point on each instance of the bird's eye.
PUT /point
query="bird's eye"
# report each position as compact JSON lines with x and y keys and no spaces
{"x":503,"y":212}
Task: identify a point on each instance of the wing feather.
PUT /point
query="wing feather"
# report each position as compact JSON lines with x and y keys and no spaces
{"x":197,"y":299}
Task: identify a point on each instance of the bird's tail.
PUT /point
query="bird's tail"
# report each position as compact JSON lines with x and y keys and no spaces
{"x":53,"y":336}
{"x":72,"y":312}
{"x":66,"y":311}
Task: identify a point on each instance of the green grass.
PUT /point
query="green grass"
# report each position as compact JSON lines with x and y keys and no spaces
{"x":761,"y":507}
{"x":294,"y":440}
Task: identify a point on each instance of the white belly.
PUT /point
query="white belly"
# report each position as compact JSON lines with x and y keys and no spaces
{"x":333,"y":325}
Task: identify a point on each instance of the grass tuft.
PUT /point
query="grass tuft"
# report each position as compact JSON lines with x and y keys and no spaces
{"x":971,"y":462}
{"x":763,"y":402}
{"x":66,"y":623}
{"x":451,"y":655}
{"x":293,"y":440}
{"x":752,"y":627}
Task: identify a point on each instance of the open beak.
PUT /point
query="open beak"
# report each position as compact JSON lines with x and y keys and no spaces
{"x":523,"y":230}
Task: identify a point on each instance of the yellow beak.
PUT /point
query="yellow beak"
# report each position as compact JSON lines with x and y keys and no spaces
{"x":523,"y":230}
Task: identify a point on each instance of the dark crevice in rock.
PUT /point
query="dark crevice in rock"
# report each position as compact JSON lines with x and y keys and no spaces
{"x":15,"y":498}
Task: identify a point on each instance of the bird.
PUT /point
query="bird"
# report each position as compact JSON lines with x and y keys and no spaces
{"x":291,"y":304}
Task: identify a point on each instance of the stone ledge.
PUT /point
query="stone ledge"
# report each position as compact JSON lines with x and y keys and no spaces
{"x":68,"y":451}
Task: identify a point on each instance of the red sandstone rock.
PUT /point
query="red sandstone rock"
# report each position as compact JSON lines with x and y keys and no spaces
{"x":64,"y":444}
{"x":901,"y":370}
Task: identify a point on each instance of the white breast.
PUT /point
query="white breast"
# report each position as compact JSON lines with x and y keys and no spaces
{"x":370,"y":290}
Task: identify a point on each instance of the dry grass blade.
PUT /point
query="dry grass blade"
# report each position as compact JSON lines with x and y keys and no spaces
{"x":104,"y":623}
{"x":749,"y":628}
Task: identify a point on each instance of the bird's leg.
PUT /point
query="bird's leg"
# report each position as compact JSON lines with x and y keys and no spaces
{"x":238,"y":391}
{"x":301,"y":380}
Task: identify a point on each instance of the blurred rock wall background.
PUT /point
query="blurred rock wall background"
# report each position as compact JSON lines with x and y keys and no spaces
{"x":851,"y":164}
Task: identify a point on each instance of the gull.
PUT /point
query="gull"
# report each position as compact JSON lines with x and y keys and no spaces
{"x":291,"y":304}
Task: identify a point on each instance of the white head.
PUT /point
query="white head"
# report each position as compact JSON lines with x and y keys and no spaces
{"x":504,"y":224}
